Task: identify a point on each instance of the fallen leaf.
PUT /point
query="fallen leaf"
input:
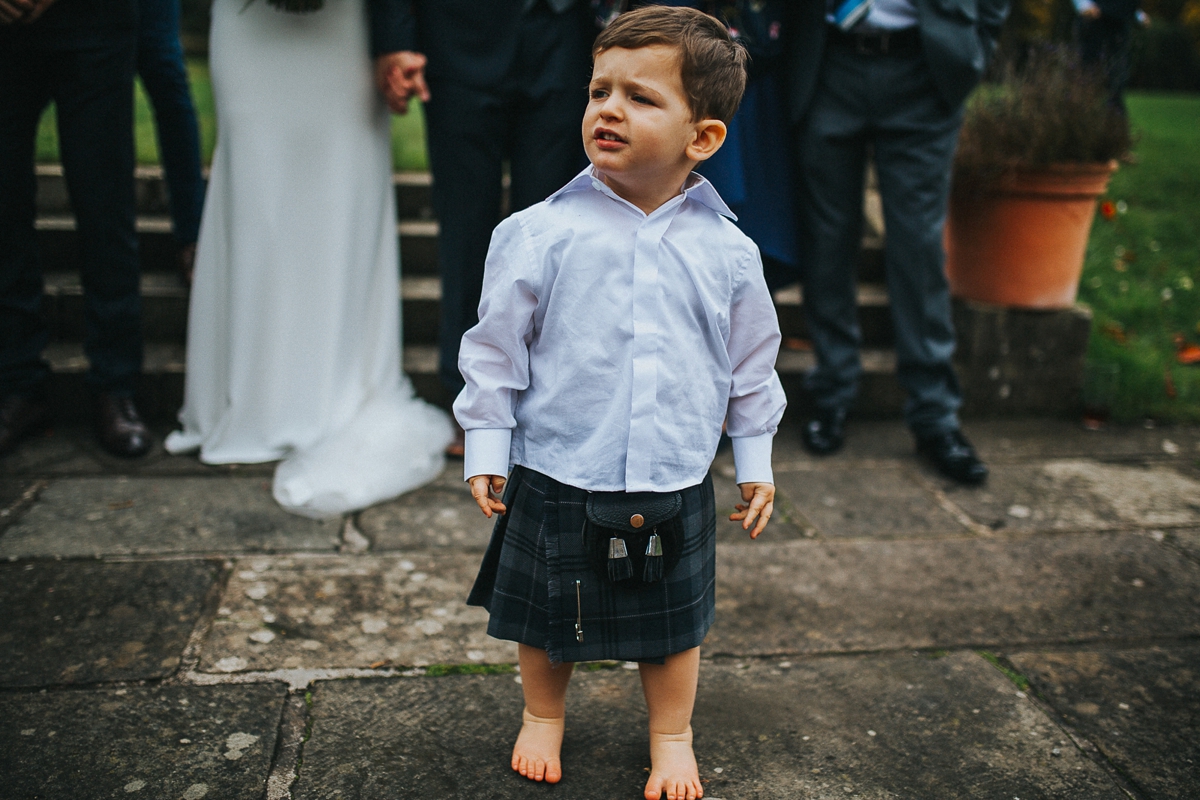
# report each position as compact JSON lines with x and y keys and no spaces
{"x":1114,"y":331}
{"x":1108,"y":209}
{"x":1188,"y":354}
{"x":1169,"y":380}
{"x":121,"y":504}
{"x":378,"y":664}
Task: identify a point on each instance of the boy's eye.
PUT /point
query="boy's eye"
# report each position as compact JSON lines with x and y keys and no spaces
{"x":637,"y":98}
{"x":598,"y":94}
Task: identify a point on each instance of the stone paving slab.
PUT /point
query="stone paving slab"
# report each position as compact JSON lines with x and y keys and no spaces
{"x":873,"y":502}
{"x":866,"y":727}
{"x":341,"y":612}
{"x":441,"y":514}
{"x":815,"y":596}
{"x":15,"y":495}
{"x":74,"y":622}
{"x":1079,"y":494}
{"x":1042,"y":438}
{"x":1186,"y":540}
{"x":126,"y":516}
{"x":998,"y":442}
{"x":70,"y":449}
{"x":155,"y":743}
{"x":1140,"y":707}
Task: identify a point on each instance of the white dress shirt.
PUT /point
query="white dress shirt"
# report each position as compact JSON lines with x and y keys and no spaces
{"x":611,"y":344}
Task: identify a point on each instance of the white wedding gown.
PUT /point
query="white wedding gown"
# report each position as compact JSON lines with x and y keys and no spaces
{"x":294,"y":328}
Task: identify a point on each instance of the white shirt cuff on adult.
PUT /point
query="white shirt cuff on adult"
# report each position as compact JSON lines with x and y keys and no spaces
{"x":487,"y":451}
{"x":752,"y":458}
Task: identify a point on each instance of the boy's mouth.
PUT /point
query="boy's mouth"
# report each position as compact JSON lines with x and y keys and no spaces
{"x":606,"y":139}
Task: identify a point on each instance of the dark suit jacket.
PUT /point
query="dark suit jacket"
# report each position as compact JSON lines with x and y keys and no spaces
{"x":1119,"y":10}
{"x":73,"y":23}
{"x":470,"y":42}
{"x":957,"y":37}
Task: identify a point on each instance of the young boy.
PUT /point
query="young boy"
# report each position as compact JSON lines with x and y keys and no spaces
{"x":622,"y":321}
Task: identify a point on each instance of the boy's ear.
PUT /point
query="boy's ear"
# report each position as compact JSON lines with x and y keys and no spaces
{"x":707,"y":139}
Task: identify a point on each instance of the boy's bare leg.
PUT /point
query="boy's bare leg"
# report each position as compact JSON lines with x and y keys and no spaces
{"x":539,"y":744}
{"x":670,"y":695}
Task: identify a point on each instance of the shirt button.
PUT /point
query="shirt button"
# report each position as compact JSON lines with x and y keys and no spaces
{"x":637,"y":520}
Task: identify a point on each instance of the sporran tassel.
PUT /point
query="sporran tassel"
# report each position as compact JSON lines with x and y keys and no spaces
{"x":620,"y":568}
{"x":653,"y":569}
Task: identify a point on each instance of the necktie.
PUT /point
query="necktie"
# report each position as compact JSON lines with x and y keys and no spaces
{"x":849,"y":13}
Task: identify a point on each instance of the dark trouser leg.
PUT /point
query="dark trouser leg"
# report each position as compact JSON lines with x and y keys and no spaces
{"x":24,"y":94}
{"x":465,"y":151}
{"x":915,"y":136}
{"x":831,"y":152}
{"x":1104,"y":45}
{"x":94,"y":96}
{"x":548,"y":91}
{"x":161,"y":68}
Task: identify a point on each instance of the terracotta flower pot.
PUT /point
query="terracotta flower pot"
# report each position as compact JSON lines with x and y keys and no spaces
{"x":1020,"y":242}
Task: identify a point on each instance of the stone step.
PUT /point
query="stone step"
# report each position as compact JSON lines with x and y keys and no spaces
{"x":417,"y":228}
{"x":412,"y":192}
{"x":59,"y":250}
{"x":161,"y":390}
{"x":165,"y":308}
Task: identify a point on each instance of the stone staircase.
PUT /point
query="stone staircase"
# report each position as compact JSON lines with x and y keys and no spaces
{"x":165,"y":301}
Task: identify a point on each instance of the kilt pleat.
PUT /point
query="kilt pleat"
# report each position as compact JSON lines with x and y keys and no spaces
{"x":537,"y":580}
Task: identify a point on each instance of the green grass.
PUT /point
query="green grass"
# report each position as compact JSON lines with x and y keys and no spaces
{"x":1018,"y":680}
{"x":408,"y":131}
{"x":1142,"y":268}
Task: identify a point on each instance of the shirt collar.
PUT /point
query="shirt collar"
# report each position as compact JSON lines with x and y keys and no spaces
{"x":696,"y":187}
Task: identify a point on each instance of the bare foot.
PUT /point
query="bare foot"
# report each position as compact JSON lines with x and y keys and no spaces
{"x":673,"y":771}
{"x":536,"y":753}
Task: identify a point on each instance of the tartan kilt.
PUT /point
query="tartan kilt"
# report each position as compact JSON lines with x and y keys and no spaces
{"x":537,"y":559}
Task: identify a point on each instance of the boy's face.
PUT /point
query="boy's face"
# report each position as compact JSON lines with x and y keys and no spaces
{"x":638,"y":127}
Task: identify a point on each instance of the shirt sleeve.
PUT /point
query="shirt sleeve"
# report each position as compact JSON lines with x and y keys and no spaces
{"x":392,"y":25}
{"x":494,"y":355}
{"x":756,"y":398}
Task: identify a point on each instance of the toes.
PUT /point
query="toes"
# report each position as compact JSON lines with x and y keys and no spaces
{"x":553,"y":772}
{"x":539,"y":770}
{"x":653,"y":792}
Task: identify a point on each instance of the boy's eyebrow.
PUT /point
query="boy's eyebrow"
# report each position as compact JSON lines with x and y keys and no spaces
{"x":629,"y":85}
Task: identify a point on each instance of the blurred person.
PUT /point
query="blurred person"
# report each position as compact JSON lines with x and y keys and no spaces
{"x":1105,"y":37}
{"x":294,"y":327}
{"x":888,"y":77}
{"x":80,"y":55}
{"x":161,"y":67}
{"x":502,"y":82}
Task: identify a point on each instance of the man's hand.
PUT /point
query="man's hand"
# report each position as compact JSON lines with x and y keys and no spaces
{"x":485,"y":489}
{"x":22,"y":10}
{"x":400,"y":77}
{"x":759,"y":503}
{"x":1090,"y":11}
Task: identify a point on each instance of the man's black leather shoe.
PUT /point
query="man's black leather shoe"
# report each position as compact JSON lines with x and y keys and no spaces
{"x":20,"y":417}
{"x":119,"y":427}
{"x":826,"y":432}
{"x":953,"y":456}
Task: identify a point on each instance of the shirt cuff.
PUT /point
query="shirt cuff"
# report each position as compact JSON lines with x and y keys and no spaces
{"x":752,"y":458}
{"x":487,"y":451}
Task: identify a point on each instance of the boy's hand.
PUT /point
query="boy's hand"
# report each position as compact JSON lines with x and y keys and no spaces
{"x":485,"y":489}
{"x":760,"y":504}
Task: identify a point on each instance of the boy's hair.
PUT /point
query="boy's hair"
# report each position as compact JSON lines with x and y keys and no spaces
{"x":712,"y":64}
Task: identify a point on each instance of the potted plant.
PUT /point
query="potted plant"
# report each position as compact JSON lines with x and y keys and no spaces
{"x":1035,"y":152}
